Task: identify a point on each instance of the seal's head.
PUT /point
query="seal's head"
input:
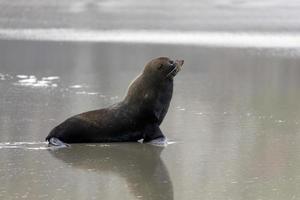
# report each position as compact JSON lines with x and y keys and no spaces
{"x":154,"y":87}
{"x":163,"y":67}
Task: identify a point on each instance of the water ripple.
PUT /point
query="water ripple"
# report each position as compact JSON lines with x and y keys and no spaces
{"x":196,"y":38}
{"x":25,"y":145}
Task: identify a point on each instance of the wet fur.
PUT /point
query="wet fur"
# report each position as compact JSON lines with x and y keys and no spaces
{"x":137,"y":117}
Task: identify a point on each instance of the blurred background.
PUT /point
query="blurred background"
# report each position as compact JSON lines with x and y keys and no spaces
{"x":233,"y":123}
{"x":215,"y":15}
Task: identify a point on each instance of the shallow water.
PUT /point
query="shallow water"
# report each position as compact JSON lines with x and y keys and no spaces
{"x":234,"y":117}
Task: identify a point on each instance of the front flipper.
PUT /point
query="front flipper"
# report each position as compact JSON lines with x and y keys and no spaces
{"x":152,"y":132}
{"x":161,"y":142}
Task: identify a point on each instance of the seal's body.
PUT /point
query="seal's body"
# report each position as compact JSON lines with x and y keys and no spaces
{"x":137,"y":117}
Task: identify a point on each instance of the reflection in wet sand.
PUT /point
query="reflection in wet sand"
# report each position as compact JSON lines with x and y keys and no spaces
{"x":140,"y":165}
{"x":235,"y":114}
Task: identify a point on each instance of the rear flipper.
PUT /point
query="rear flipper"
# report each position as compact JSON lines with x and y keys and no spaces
{"x":57,"y":143}
{"x":153,"y":132}
{"x":64,"y":132}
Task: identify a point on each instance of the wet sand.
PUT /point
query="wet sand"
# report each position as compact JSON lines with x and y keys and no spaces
{"x":234,"y":118}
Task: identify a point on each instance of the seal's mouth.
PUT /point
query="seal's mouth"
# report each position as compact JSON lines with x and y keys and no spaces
{"x":176,"y":67}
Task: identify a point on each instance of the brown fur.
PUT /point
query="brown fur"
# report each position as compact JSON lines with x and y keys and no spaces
{"x":137,"y":117}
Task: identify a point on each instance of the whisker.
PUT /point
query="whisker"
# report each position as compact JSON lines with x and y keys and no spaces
{"x":172,"y":71}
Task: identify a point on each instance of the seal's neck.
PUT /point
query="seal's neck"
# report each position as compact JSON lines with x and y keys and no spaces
{"x":145,"y":90}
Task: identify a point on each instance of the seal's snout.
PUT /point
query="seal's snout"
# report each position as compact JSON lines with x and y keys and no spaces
{"x":179,"y":63}
{"x":176,"y":68}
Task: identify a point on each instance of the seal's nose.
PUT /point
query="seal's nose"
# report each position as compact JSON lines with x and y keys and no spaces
{"x":180,"y":62}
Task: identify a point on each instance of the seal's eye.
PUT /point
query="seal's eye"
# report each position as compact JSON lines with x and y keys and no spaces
{"x":160,"y":66}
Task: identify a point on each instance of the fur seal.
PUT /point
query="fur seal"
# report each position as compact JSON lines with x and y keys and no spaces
{"x":137,"y":117}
